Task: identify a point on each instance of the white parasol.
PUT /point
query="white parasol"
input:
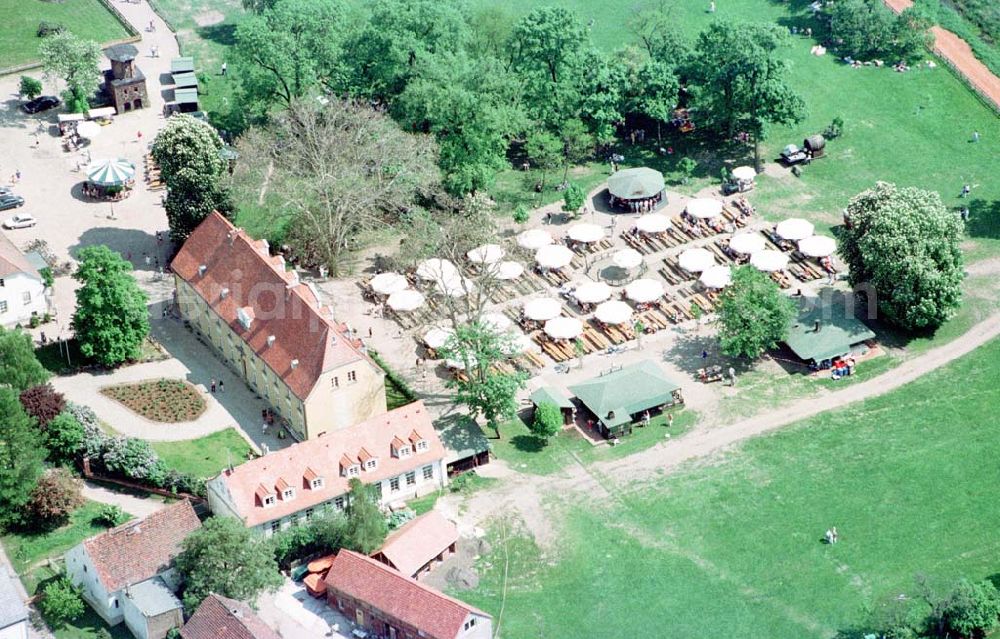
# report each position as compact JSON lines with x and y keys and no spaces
{"x":794,"y":229}
{"x":744,"y":173}
{"x":437,"y":337}
{"x":455,"y":286}
{"x":704,"y":208}
{"x":627,"y":258}
{"x":769,"y":260}
{"x":554,"y":256}
{"x":717,"y":277}
{"x":696,"y":260}
{"x":586,"y":233}
{"x":563,"y":328}
{"x":497,"y":321}
{"x":518,"y":344}
{"x":486,"y":254}
{"x":534,"y":239}
{"x":747,"y":243}
{"x":88,"y":129}
{"x":542,"y":309}
{"x":592,"y":292}
{"x":407,"y":300}
{"x":653,"y":223}
{"x":818,"y":246}
{"x":644,"y":291}
{"x":389,"y":283}
{"x":110,"y":172}
{"x":507,"y":270}
{"x":613,"y":312}
{"x":435,"y":269}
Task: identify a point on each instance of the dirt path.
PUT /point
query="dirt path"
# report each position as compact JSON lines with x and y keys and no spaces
{"x":958,"y":52}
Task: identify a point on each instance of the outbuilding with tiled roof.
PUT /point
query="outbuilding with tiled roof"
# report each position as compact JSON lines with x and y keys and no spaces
{"x":219,"y":617}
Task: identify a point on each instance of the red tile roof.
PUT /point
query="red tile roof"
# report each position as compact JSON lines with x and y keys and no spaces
{"x":222,"y":618}
{"x":12,"y":260}
{"x":139,"y":550}
{"x":241,"y":275}
{"x":325,"y":455}
{"x":437,"y":615}
{"x":418,"y":541}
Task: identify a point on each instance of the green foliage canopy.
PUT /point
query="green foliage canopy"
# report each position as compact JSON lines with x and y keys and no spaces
{"x":753,"y":314}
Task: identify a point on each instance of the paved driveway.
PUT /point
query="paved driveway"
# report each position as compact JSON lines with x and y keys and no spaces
{"x":294,"y":614}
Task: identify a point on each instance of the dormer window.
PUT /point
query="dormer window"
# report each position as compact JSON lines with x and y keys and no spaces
{"x":266,"y":496}
{"x":316,"y":483}
{"x":419,"y":443}
{"x":400,"y":448}
{"x":269,"y":500}
{"x":368,"y":461}
{"x":349,"y":467}
{"x":285,"y":489}
{"x":353,"y":471}
{"x":313,"y":479}
{"x":371,"y":464}
{"x":422,"y":445}
{"x":288,"y":494}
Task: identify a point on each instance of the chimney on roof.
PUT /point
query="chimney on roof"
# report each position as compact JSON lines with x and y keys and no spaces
{"x":270,"y":340}
{"x":224,"y":293}
{"x":295,"y":363}
{"x":231,"y":236}
{"x":202,"y":269}
{"x":817,"y":326}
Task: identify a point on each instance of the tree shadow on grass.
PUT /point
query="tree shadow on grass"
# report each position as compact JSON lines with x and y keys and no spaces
{"x":984,"y":219}
{"x":223,"y":33}
{"x":528,"y":443}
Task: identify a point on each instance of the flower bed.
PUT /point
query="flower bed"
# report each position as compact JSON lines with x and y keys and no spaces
{"x":161,"y":400}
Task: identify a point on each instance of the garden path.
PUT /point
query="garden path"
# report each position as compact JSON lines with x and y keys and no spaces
{"x":138,"y":507}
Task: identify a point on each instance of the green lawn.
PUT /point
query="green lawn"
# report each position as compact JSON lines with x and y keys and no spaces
{"x":734,"y":549}
{"x":204,"y":457}
{"x":19,"y":25}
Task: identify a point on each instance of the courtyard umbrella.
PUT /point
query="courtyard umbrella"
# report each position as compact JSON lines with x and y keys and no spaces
{"x":747,"y":243}
{"x":435,"y":269}
{"x":455,"y":286}
{"x":389,"y":283}
{"x":652,"y":223}
{"x":88,"y":129}
{"x":437,"y":337}
{"x":563,"y":328}
{"x":404,"y":301}
{"x":716,"y":277}
{"x":497,"y":321}
{"x":769,"y":260}
{"x":507,"y":270}
{"x":534,"y":239}
{"x":696,"y":260}
{"x":635,"y":184}
{"x":586,"y":233}
{"x":644,"y":290}
{"x":704,"y":208}
{"x":794,"y":229}
{"x":818,"y":246}
{"x":744,"y":173}
{"x":627,"y":258}
{"x":592,"y":292}
{"x":110,"y":172}
{"x":554,"y":256}
{"x":517,"y":345}
{"x":542,"y":309}
{"x":613,"y":312}
{"x":486,"y":254}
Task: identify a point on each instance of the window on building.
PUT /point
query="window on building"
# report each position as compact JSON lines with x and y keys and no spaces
{"x":370,"y":464}
{"x":269,"y":500}
{"x":275,"y":526}
{"x":470,"y":623}
{"x":116,"y":603}
{"x":394,"y":484}
{"x":422,"y":445}
{"x":288,"y":493}
{"x":339,"y":502}
{"x":26,"y":297}
{"x":411,"y":478}
{"x":317,"y":482}
{"x":1,"y":282}
{"x":335,"y":382}
{"x":352,"y":376}
{"x":3,"y":306}
{"x":309,"y":514}
{"x":353,"y":471}
{"x":404,"y":451}
{"x":378,"y":489}
{"x":428,"y":472}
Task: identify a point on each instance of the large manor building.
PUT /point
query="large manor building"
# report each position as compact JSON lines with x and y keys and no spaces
{"x":273,"y":331}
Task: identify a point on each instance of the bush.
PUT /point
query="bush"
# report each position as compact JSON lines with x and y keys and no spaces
{"x":972,"y":609}
{"x":61,"y":602}
{"x":835,"y":129}
{"x":133,"y":458}
{"x":521,"y":214}
{"x":548,"y":421}
{"x":869,"y":30}
{"x":43,"y":403}
{"x":64,"y":438}
{"x":57,"y":494}
{"x":687,"y":167}
{"x":47,"y":28}
{"x":321,"y":535}
{"x":111,"y":515}
{"x":30,"y":88}
{"x":573,"y":199}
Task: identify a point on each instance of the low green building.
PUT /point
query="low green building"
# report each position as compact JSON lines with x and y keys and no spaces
{"x":824,"y":331}
{"x":616,"y":398}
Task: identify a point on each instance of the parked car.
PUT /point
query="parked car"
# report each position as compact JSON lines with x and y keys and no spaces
{"x":19,"y":221}
{"x":42,"y":103}
{"x":10,"y":202}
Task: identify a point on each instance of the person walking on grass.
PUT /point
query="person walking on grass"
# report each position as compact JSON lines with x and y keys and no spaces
{"x":212,"y":386}
{"x":732,"y":376}
{"x":222,"y":386}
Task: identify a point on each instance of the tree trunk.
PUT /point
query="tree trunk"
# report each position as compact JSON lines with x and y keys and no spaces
{"x":756,"y":153}
{"x":658,"y":138}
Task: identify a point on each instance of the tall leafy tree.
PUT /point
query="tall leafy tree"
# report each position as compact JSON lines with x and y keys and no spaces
{"x":19,"y":368}
{"x":656,"y":92}
{"x":869,"y":29}
{"x":577,"y":144}
{"x":227,"y":558}
{"x":545,"y":151}
{"x":485,"y":390}
{"x":21,"y":456}
{"x":754,"y":315}
{"x":366,"y":525}
{"x":654,"y":25}
{"x":739,"y":82}
{"x":904,"y":244}
{"x":43,"y":403}
{"x":111,"y":320}
{"x":76,"y":62}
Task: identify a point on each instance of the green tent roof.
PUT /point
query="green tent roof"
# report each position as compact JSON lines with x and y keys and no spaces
{"x":186,"y":96}
{"x":633,"y":184}
{"x":839,"y":330}
{"x":185,"y":79}
{"x":463,"y":438}
{"x":179,"y":65}
{"x":550,"y":395}
{"x":627,"y":391}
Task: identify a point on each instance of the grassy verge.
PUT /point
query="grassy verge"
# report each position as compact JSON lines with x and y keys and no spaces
{"x":19,"y":39}
{"x":206,"y":456}
{"x":735,"y":549}
{"x":53,"y":356}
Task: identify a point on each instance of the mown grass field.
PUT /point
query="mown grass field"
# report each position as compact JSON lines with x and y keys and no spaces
{"x":206,"y":456}
{"x":731,"y":546}
{"x":19,"y":25}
